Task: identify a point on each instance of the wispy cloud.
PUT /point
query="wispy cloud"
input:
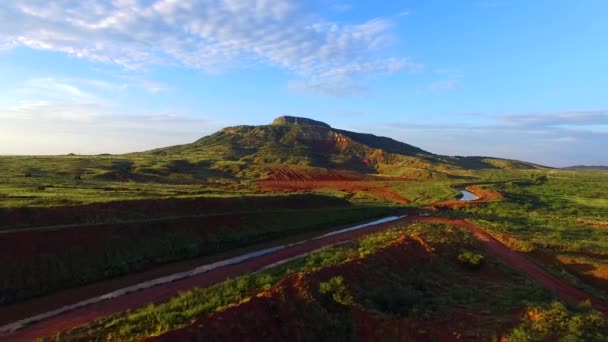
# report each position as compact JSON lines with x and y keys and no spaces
{"x":343,"y":7}
{"x":443,"y":85}
{"x":562,"y":119}
{"x":329,"y":87}
{"x":556,"y":139}
{"x":58,"y":128}
{"x":201,"y":34}
{"x":52,"y":88}
{"x":405,"y":13}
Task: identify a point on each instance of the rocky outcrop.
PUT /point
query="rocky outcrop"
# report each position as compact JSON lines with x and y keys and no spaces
{"x":294,"y":120}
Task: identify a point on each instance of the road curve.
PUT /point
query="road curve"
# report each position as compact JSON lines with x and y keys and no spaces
{"x":522,"y":264}
{"x":142,"y":296}
{"x":133,"y":300}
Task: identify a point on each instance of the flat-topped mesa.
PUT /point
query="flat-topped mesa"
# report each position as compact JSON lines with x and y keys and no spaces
{"x":294,"y":120}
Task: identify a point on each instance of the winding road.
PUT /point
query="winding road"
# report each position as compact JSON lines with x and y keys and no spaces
{"x":218,"y":272}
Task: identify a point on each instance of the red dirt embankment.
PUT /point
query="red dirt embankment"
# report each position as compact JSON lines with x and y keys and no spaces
{"x":150,"y":208}
{"x":484,"y":196}
{"x":522,"y":264}
{"x":290,"y":179}
{"x":381,"y":189}
{"x":289,"y":309}
{"x":134,"y":300}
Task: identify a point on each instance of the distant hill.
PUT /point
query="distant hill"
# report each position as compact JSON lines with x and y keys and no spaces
{"x":587,"y":167}
{"x":294,"y":148}
{"x":290,"y":148}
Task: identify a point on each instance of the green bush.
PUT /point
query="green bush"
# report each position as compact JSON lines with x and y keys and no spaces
{"x":336,"y":289}
{"x":556,"y":322}
{"x":470,"y":259}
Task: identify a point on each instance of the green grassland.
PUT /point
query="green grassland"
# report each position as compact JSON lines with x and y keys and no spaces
{"x":69,"y":180}
{"x":41,"y":181}
{"x":229,"y":163}
{"x":565,"y":215}
{"x":433,"y":290}
{"x":142,"y":202}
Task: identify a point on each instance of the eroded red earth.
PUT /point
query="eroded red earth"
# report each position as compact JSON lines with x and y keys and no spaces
{"x":158,"y":294}
{"x":380,"y":189}
{"x":484,"y":195}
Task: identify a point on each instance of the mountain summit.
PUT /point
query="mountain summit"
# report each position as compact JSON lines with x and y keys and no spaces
{"x":309,"y":147}
{"x":294,"y":120}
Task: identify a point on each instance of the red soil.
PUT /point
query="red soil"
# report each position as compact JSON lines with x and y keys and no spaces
{"x":455,"y":327}
{"x":598,"y":224}
{"x":484,"y":195}
{"x":78,"y":317}
{"x":380,"y":189}
{"x":158,"y":294}
{"x":21,"y":245}
{"x":519,"y":262}
{"x":591,"y":272}
{"x":279,"y":313}
{"x":294,"y":174}
{"x":159,"y":207}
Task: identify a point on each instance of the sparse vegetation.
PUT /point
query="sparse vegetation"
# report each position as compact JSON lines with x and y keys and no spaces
{"x":555,"y":322}
{"x":555,"y":222}
{"x":368,"y":275}
{"x":470,"y":259}
{"x":102,"y":216}
{"x":116,"y":249}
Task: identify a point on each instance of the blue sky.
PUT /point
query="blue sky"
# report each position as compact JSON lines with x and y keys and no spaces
{"x":516,"y":79}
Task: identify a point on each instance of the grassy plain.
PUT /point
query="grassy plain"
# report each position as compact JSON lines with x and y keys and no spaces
{"x":561,"y":222}
{"x":559,"y":217}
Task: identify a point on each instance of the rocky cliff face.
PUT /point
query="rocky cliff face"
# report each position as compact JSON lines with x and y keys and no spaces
{"x":299,"y":141}
{"x":293,"y":120}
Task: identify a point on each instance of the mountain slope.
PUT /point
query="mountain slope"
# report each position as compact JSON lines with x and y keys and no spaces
{"x":312,"y":149}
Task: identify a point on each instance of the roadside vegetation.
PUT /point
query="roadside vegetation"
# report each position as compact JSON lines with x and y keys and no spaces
{"x":406,"y":281}
{"x":38,"y":262}
{"x":560,"y":218}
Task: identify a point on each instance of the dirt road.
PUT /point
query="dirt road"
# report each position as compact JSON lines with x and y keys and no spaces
{"x":77,"y":317}
{"x":522,"y":264}
{"x":74,"y":318}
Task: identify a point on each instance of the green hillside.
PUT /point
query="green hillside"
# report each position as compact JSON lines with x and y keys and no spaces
{"x":307,"y":145}
{"x":229,"y":163}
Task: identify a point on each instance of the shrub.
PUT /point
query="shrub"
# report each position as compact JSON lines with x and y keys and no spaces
{"x":336,"y":289}
{"x":556,"y":322}
{"x":470,"y":259}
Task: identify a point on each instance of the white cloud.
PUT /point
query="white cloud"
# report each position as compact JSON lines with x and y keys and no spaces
{"x":555,"y":139}
{"x":210,"y":35}
{"x":338,"y":87}
{"x":443,"y":85}
{"x":52,"y":88}
{"x":48,"y":111}
{"x":89,"y":128}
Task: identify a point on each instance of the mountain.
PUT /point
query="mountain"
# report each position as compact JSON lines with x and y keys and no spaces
{"x":294,"y":148}
{"x":587,"y":167}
